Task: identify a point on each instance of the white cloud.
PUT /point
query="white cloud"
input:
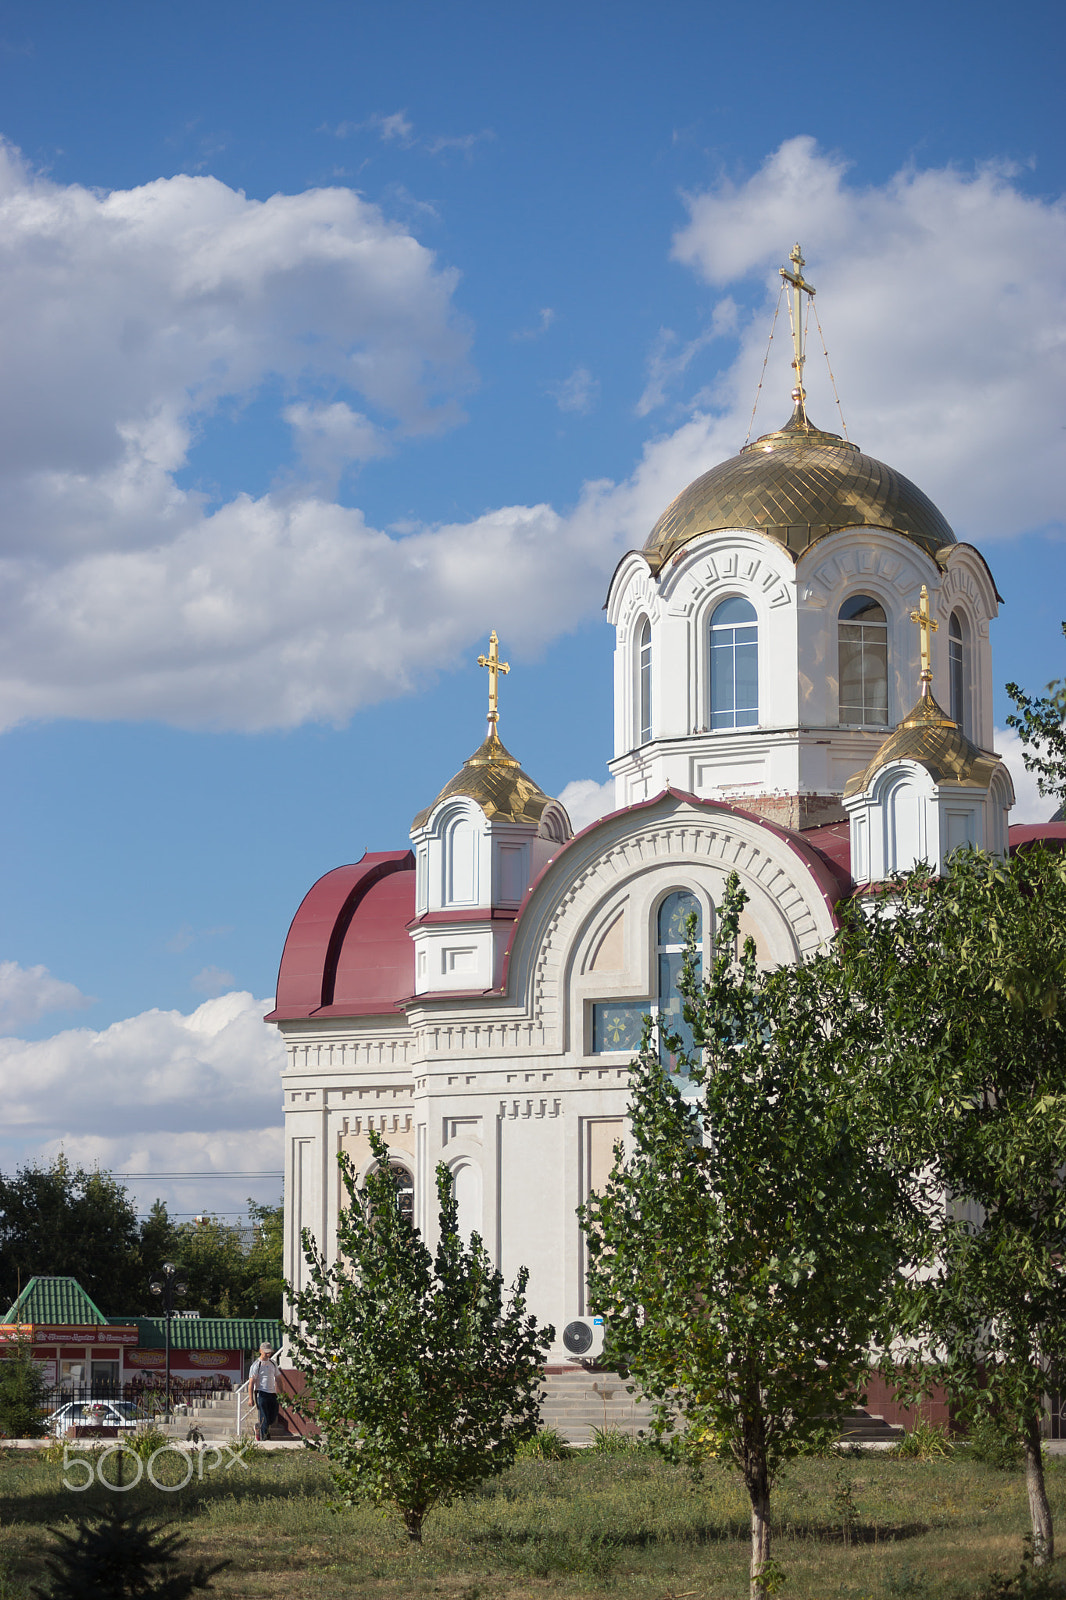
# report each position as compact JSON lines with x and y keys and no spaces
{"x":28,"y":993}
{"x":941,"y":296}
{"x":163,"y":1091}
{"x":160,"y":1072}
{"x":670,"y":360}
{"x":585,"y":800}
{"x":1030,"y":805}
{"x":579,"y":392}
{"x":127,"y":318}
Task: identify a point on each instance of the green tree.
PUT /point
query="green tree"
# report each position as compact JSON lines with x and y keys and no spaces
{"x":117,"y":1553}
{"x":422,"y":1371}
{"x":724,"y":1249}
{"x":232,"y":1270}
{"x":1041,"y":722}
{"x":63,"y":1220}
{"x":23,"y":1391}
{"x":959,"y":983}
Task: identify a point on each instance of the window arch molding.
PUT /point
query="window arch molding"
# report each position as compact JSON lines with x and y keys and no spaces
{"x":741,"y":613}
{"x":864,"y":654}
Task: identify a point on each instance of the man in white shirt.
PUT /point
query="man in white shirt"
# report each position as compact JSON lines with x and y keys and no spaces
{"x":263,"y":1390}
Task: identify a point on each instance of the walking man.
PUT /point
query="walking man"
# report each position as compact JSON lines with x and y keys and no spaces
{"x":263,"y":1389}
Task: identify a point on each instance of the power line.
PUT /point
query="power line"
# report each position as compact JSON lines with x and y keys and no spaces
{"x":172,"y":1177}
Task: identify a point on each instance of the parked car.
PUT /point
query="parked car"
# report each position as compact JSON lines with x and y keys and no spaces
{"x":94,"y":1414}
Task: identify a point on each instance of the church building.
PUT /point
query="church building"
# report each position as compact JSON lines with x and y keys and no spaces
{"x":779,"y":711}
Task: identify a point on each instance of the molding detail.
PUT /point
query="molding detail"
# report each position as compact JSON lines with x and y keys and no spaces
{"x":512,"y":1109}
{"x":676,"y":841}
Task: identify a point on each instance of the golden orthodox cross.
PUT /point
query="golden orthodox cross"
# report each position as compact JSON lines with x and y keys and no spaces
{"x":928,"y":627}
{"x":800,"y":287}
{"x":495,"y":666}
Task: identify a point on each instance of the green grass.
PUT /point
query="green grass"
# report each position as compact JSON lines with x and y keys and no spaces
{"x":611,"y":1524}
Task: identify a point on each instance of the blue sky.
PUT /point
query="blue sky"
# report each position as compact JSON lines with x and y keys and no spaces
{"x":331,"y":337}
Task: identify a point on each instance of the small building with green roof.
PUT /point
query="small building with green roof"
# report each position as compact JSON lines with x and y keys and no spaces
{"x":77,"y":1346}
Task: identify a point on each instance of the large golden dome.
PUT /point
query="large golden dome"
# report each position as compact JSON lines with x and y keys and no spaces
{"x":798,"y":485}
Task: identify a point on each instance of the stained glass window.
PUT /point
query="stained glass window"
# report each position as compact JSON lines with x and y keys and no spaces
{"x":673,"y":932}
{"x":618,"y":1025}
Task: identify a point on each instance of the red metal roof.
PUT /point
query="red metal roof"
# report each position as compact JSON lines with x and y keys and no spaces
{"x":1052,"y":834}
{"x":348,"y":952}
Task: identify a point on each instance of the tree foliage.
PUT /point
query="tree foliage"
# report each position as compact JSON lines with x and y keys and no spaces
{"x":422,"y":1372}
{"x":725,"y":1248}
{"x":65,"y":1221}
{"x":1041,"y":721}
{"x":22,"y":1395}
{"x":118,"y":1553}
{"x":959,"y":984}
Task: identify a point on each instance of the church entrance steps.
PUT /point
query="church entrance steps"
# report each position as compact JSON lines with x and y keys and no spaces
{"x":860,"y":1426}
{"x":579,"y":1400}
{"x":216,"y":1418}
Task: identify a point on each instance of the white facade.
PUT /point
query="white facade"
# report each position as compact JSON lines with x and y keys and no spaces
{"x":800,"y":754}
{"x":530,"y":951}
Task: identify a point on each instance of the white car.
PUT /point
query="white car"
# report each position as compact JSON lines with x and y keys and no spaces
{"x":94,"y":1414}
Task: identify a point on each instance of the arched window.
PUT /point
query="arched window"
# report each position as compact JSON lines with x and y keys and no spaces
{"x":957,"y":671}
{"x":863,"y":661}
{"x":734,"y":665}
{"x":644,"y":684}
{"x":673,"y":931}
{"x":405,"y":1189}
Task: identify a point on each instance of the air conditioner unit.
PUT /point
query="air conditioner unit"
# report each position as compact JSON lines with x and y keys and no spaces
{"x":583,"y":1338}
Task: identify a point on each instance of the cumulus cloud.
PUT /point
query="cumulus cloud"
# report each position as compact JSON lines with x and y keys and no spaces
{"x":585,"y":801}
{"x":129,"y":318}
{"x":160,"y":1072}
{"x":941,"y":296}
{"x":29,"y":993}
{"x":162,"y":1091}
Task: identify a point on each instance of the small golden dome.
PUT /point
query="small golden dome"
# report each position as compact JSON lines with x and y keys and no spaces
{"x":495,"y":780}
{"x":930,"y":737}
{"x":798,"y":485}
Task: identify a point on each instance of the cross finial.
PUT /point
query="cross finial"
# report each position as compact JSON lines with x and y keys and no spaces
{"x":927,"y":627}
{"x":800,"y":287}
{"x":495,"y":666}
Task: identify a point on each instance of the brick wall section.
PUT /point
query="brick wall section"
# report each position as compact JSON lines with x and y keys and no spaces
{"x":880,"y":1401}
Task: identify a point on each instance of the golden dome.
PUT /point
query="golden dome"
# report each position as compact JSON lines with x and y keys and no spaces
{"x":798,"y":485}
{"x":930,"y":737}
{"x":495,"y":780}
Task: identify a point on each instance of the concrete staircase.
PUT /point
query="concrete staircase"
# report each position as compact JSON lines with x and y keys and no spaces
{"x":579,"y":1400}
{"x":216,"y":1418}
{"x":860,"y":1426}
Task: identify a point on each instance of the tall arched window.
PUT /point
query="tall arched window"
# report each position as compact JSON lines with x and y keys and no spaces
{"x":957,"y":671}
{"x":863,"y":661}
{"x":644,"y":684}
{"x":673,"y":931}
{"x":734,"y":665}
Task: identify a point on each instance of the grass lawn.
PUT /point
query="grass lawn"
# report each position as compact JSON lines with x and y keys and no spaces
{"x":619,"y":1526}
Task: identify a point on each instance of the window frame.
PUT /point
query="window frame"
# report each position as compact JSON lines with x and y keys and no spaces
{"x":715,"y":651}
{"x":866,"y":720}
{"x":644,"y":718}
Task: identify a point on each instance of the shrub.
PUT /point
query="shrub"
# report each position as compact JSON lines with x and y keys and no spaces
{"x":987,"y":1441}
{"x":547,"y":1445}
{"x":926,"y":1441}
{"x":22,"y":1397}
{"x":117,"y":1554}
{"x":612,"y":1442}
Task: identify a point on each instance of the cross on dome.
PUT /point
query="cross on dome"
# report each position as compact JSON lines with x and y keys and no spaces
{"x":800,"y":287}
{"x":495,"y":666}
{"x":926,"y":627}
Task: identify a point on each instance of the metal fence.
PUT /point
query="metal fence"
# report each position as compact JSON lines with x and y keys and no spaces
{"x":147,"y":1392}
